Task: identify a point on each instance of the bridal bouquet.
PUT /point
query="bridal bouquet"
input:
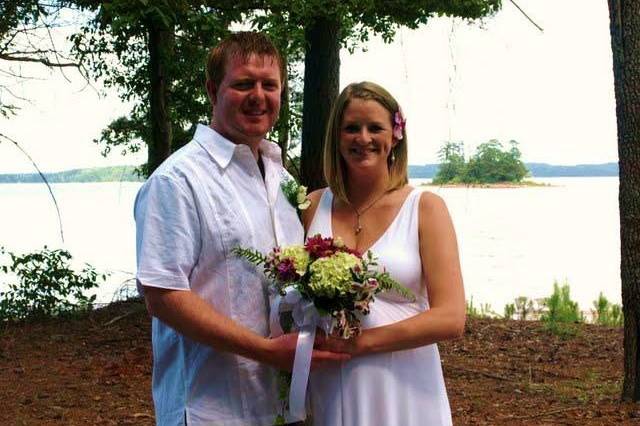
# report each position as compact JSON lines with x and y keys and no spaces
{"x":339,"y":282}
{"x":321,"y":284}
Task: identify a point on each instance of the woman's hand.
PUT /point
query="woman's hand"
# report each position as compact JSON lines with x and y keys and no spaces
{"x":331,"y":343}
{"x":280,"y":352}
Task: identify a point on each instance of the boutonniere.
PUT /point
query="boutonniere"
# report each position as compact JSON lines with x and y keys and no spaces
{"x":296,"y":194}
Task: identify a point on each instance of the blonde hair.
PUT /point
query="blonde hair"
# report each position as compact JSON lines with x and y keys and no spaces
{"x":334,"y":166}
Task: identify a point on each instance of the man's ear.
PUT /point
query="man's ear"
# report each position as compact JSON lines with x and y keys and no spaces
{"x":211,"y":91}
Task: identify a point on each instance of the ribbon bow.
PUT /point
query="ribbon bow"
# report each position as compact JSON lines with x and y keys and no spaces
{"x":306,"y":318}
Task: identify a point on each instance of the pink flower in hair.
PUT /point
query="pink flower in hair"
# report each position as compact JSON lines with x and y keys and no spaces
{"x":399,"y":123}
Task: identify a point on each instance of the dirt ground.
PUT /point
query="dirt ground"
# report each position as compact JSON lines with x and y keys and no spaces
{"x":96,"y":370}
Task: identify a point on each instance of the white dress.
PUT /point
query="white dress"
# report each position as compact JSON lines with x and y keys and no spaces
{"x":402,"y":388}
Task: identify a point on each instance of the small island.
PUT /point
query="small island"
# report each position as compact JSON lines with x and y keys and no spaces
{"x":492,"y":165}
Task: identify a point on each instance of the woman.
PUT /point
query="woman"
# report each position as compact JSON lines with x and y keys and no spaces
{"x":395,"y":376}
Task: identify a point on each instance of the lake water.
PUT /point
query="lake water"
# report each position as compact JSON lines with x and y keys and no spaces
{"x":513,"y":242}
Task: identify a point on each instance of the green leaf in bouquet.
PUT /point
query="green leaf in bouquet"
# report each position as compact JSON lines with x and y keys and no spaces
{"x":389,"y":284}
{"x":253,"y":256}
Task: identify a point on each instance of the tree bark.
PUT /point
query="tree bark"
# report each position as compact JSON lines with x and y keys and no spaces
{"x":283,"y":123}
{"x":321,"y":85}
{"x":160,"y":45}
{"x":625,"y":42}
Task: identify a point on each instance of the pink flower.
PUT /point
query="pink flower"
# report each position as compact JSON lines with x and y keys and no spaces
{"x":399,"y":123}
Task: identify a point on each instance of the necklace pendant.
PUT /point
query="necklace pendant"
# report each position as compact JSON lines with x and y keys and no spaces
{"x":358,"y":229}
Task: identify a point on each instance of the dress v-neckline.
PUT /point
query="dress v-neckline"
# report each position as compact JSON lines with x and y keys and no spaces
{"x":384,"y":233}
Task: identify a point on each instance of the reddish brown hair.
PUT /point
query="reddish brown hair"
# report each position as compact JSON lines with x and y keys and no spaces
{"x":242,"y":45}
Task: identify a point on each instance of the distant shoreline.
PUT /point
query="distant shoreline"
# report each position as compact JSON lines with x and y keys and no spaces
{"x":537,"y":170}
{"x":96,"y":174}
{"x":427,"y":171}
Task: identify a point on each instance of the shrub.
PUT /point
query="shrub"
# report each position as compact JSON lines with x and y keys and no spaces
{"x":484,"y":311}
{"x":46,"y":286}
{"x":509,"y":310}
{"x":472,"y":311}
{"x":561,"y":310}
{"x":524,"y":307}
{"x":606,"y":313}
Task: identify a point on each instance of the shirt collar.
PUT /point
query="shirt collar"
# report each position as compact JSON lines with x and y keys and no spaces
{"x":270,"y":150}
{"x":221,"y":149}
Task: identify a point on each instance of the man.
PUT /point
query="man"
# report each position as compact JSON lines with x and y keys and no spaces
{"x":212,"y":361}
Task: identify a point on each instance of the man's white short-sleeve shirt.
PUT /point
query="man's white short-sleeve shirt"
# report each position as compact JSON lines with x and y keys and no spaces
{"x":206,"y":199}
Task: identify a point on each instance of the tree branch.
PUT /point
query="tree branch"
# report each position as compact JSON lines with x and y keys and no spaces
{"x":526,"y":16}
{"x":53,"y":197}
{"x":44,"y":61}
{"x":19,"y":76}
{"x":16,"y":96}
{"x":55,"y":51}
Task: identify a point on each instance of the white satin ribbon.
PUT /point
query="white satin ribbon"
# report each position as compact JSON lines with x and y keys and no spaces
{"x":307,"y":319}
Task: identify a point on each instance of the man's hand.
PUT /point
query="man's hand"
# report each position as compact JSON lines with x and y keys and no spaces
{"x":191,"y":316}
{"x":280,"y":353}
{"x":333,"y":344}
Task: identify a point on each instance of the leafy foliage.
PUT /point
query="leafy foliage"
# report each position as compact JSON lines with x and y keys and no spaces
{"x":360,"y":19}
{"x":287,"y":33}
{"x":114,"y":45}
{"x":46,"y":286}
{"x":385,"y":281}
{"x":491,"y":163}
{"x":253,"y":256}
{"x":561,"y":310}
{"x":452,"y":164}
{"x":483,"y":311}
{"x":509,"y":310}
{"x":607,"y":313}
{"x":296,"y":195}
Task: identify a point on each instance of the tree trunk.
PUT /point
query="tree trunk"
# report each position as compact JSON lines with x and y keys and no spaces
{"x":283,"y":123}
{"x":321,"y":84}
{"x":283,"y":133}
{"x":625,"y":42}
{"x":160,"y":45}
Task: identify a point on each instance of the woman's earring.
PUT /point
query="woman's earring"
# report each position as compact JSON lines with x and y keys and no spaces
{"x":393,"y":156}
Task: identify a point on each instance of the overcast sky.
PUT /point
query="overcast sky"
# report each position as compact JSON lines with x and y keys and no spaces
{"x":551,"y":91}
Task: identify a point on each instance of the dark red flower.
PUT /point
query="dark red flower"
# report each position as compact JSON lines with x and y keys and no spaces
{"x":287,"y":271}
{"x":318,"y":247}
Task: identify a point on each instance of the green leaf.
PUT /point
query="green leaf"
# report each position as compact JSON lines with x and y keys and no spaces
{"x":253,"y":256}
{"x":47,"y":286}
